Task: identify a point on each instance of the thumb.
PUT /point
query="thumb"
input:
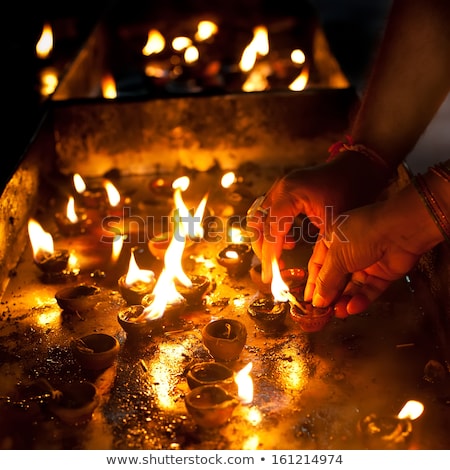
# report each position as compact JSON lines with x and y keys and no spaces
{"x":330,"y":282}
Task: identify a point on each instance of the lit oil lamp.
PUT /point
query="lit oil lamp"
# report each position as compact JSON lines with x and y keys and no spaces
{"x":72,"y":222}
{"x":54,"y":264}
{"x":210,"y":406}
{"x":137,"y":283}
{"x":93,"y":198}
{"x":78,"y":299}
{"x":210,"y":373}
{"x":136,"y":324}
{"x":161,"y":186}
{"x":224,"y":338}
{"x":194,"y":293}
{"x":236,"y":258}
{"x":390,"y":432}
{"x":116,"y":203}
{"x":96,"y":351}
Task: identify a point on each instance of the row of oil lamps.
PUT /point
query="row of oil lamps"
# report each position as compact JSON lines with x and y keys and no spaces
{"x":212,"y":398}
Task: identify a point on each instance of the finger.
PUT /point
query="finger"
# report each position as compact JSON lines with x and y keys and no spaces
{"x":314,"y":265}
{"x":366,"y":294}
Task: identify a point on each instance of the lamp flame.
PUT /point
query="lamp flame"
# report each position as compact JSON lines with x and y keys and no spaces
{"x":205,"y":30}
{"x":79,"y":184}
{"x":259,"y":45}
{"x":109,"y":90}
{"x":411,"y":410}
{"x":181,"y":43}
{"x":182,"y":183}
{"x":41,"y":241}
{"x":155,"y":43}
{"x":117,"y":246}
{"x":245,"y":384}
{"x":191,"y":55}
{"x":112,"y":192}
{"x":135,"y":274}
{"x":235,"y":235}
{"x":228,"y":179}
{"x":301,"y":81}
{"x":279,"y":288}
{"x":45,"y":43}
{"x":298,"y":56}
{"x":70,"y":212}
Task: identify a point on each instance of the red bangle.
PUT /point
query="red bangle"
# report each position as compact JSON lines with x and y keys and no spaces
{"x":340,"y":146}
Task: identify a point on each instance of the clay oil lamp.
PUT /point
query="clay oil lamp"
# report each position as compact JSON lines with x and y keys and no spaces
{"x":236,"y":258}
{"x":194,"y":292}
{"x":89,"y":198}
{"x":79,"y":298}
{"x":224,"y":338}
{"x":211,"y":373}
{"x":136,"y":324}
{"x":295,"y":279}
{"x":390,"y":432}
{"x":96,"y":351}
{"x":161,"y":186}
{"x":137,"y":283}
{"x":76,"y":403}
{"x":269,"y":315}
{"x":55,"y":264}
{"x":72,"y":222}
{"x":210,"y":406}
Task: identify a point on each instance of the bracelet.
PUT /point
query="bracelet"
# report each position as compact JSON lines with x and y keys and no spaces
{"x":442,"y":170}
{"x":350,"y":145}
{"x":433,"y":206}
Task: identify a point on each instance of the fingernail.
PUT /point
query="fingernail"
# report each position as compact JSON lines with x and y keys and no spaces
{"x":318,"y":301}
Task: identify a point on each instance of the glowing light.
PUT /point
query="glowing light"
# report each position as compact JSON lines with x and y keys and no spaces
{"x":180,"y":43}
{"x":298,"y":56}
{"x":301,"y":81}
{"x":112,"y":192}
{"x":155,"y":43}
{"x":109,"y":90}
{"x":251,"y":443}
{"x":259,"y":46}
{"x":258,"y":78}
{"x":41,"y":241}
{"x":117,"y":246}
{"x":205,"y":30}
{"x":70,"y":211}
{"x":181,"y":183}
{"x":49,"y":81}
{"x":411,"y":410}
{"x":235,"y":235}
{"x":79,"y":184}
{"x":191,"y":55}
{"x":278,"y":287}
{"x":135,"y":274}
{"x":245,"y":384}
{"x":44,"y":46}
{"x":228,"y":179}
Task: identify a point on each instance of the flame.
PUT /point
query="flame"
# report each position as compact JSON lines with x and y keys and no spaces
{"x":135,"y":274}
{"x":190,"y":224}
{"x":155,"y":43}
{"x":109,"y":90}
{"x":235,"y":235}
{"x":298,"y":56}
{"x":45,"y":43}
{"x":182,"y":183}
{"x":79,"y":184}
{"x":181,"y":42}
{"x":258,"y":78}
{"x":228,"y":179}
{"x":191,"y":55}
{"x":112,"y":192}
{"x":259,"y":45}
{"x":301,"y":81}
{"x":49,"y":81}
{"x":70,"y":212}
{"x":232,"y":254}
{"x":278,"y":286}
{"x":411,"y":410}
{"x":245,"y":384}
{"x":41,"y":241}
{"x":117,"y":246}
{"x":73,"y":264}
{"x":205,"y":30}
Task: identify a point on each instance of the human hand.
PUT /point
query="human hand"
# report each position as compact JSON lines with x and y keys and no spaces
{"x":320,"y":193}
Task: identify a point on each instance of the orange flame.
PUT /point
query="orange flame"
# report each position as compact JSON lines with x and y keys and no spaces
{"x":205,"y":30}
{"x":301,"y":81}
{"x":45,"y":43}
{"x":411,"y":410}
{"x":79,"y":184}
{"x":49,"y":81}
{"x":191,"y":55}
{"x":109,"y":90}
{"x":135,"y":274}
{"x":70,"y":212}
{"x":181,"y":43}
{"x":155,"y":43}
{"x":228,"y":179}
{"x":278,"y":286}
{"x":41,"y":241}
{"x":259,"y":45}
{"x":117,"y":246}
{"x":245,"y":384}
{"x":112,"y":192}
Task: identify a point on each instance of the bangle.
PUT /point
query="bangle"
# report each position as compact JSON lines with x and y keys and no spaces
{"x":340,"y":146}
{"x":442,"y":170}
{"x":433,"y":206}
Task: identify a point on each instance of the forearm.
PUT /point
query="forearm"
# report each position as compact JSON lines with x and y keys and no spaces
{"x":409,"y":81}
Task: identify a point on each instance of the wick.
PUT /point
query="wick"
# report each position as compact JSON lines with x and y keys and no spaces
{"x":228,"y":332}
{"x":294,"y":301}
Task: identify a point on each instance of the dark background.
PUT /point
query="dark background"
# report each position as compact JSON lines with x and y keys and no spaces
{"x":353,"y":28}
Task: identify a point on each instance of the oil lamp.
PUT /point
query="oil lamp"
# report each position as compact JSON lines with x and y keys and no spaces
{"x":54,"y":264}
{"x":268,"y":314}
{"x":210,"y":373}
{"x":79,"y":298}
{"x":161,"y":186}
{"x":224,"y":338}
{"x":93,"y":197}
{"x":194,"y":292}
{"x":137,"y":283}
{"x":236,"y":258}
{"x":137,"y":324}
{"x":96,"y":351}
{"x":390,"y":432}
{"x":210,"y":406}
{"x":71,"y":222}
